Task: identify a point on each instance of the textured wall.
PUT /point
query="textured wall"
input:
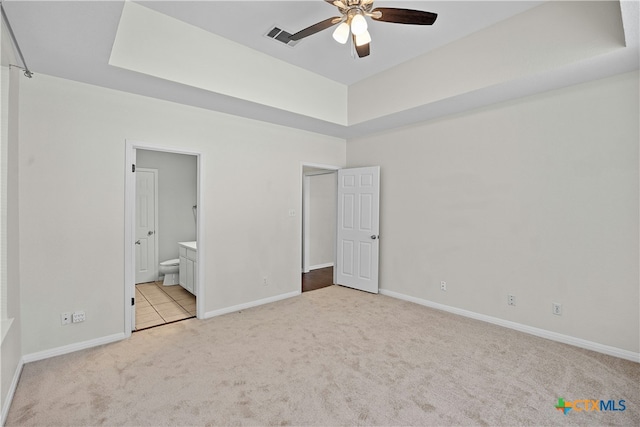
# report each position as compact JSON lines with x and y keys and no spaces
{"x":536,"y":197}
{"x":72,"y":170}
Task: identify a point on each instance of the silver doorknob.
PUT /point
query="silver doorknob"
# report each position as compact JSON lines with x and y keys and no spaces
{"x":138,"y":242}
{"x":150,"y":233}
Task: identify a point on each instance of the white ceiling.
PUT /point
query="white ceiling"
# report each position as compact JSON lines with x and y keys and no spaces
{"x":73,"y":40}
{"x":246,"y":22}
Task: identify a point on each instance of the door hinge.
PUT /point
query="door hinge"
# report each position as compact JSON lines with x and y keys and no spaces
{"x":133,"y":301}
{"x":133,"y":168}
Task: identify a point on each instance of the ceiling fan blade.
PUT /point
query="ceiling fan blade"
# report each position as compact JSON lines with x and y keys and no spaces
{"x":315,"y":28}
{"x":404,"y":16}
{"x":363,"y":50}
{"x":337,"y":3}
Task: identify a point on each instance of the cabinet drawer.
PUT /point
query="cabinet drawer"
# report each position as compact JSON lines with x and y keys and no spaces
{"x":191,"y":254}
{"x":183,"y":251}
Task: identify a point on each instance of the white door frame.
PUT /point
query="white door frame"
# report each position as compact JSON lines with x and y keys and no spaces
{"x":129,"y":226}
{"x":304,"y":236}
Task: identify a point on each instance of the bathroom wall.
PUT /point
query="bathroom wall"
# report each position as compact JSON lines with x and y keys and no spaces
{"x":177,"y":194}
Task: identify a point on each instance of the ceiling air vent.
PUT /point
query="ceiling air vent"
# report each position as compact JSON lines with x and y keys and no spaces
{"x":282,"y":36}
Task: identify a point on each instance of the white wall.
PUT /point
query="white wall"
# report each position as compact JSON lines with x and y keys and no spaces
{"x":537,"y":197}
{"x":177,"y":194}
{"x":152,"y":43}
{"x":322,"y":219}
{"x":507,"y":51}
{"x":72,"y":171}
{"x":10,"y":314}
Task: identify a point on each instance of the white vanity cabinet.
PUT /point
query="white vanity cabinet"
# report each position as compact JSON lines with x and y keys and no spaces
{"x":188,"y":266}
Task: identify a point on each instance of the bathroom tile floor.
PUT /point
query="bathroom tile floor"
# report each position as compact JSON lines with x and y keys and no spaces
{"x":157,"y":304}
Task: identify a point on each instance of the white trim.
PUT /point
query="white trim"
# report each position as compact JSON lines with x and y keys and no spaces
{"x":316,"y":267}
{"x":129,"y":236}
{"x":65,"y":349}
{"x":321,"y":166}
{"x":202,"y":247}
{"x":5,"y":325}
{"x":250,"y":304}
{"x":130,"y":158}
{"x":11,"y":392}
{"x":306,"y":218}
{"x":543,"y":333}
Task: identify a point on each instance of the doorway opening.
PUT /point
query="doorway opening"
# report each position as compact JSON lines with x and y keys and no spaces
{"x":319,"y":195}
{"x":163,"y":236}
{"x":166,"y":213}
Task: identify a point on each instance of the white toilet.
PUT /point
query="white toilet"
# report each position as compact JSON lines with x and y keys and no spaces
{"x":171,"y":271}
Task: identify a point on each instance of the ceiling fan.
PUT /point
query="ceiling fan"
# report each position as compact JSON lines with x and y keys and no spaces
{"x":353,"y":22}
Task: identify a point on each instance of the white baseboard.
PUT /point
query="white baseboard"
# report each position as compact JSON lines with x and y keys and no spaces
{"x":11,"y":392}
{"x":250,"y":304}
{"x":316,"y":267}
{"x":543,"y":333}
{"x":58,"y":351}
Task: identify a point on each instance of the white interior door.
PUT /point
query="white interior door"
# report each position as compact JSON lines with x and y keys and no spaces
{"x":358,"y":228}
{"x":146,"y":220}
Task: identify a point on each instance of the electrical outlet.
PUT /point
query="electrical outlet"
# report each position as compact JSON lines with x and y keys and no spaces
{"x":556,"y":309}
{"x":511,"y":299}
{"x":443,"y":286}
{"x":264,"y":281}
{"x":78,"y":317}
{"x":65,"y":318}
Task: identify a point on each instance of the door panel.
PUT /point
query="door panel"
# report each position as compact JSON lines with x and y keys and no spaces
{"x":366,"y":253}
{"x":358,"y":228}
{"x":346,"y":268}
{"x":347,"y":211}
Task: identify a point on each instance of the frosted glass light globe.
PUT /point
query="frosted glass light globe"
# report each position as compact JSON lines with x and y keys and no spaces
{"x":358,"y":25}
{"x":362,"y":39}
{"x":341,"y":34}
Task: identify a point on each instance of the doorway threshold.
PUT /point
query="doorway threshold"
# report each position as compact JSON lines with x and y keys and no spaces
{"x":159,"y":305}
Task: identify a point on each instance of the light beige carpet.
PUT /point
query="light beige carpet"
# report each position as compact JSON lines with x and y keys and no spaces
{"x":334,"y":356}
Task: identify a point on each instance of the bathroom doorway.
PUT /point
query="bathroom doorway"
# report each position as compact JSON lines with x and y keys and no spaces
{"x":170,"y":290}
{"x":319,"y":195}
{"x":160,"y":296}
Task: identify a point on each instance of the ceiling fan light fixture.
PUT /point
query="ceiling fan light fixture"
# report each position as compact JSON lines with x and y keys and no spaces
{"x":352,"y":21}
{"x":341,"y":34}
{"x":362,"y":39}
{"x":358,"y":24}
